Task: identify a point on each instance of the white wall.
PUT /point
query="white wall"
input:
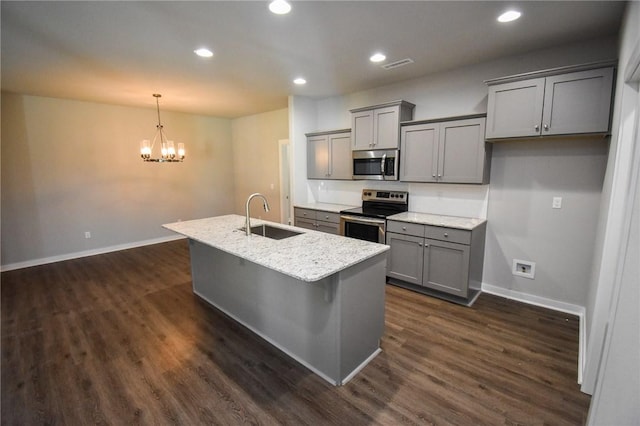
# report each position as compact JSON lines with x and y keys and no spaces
{"x":255,"y":160}
{"x":613,"y":355}
{"x":570,"y":168}
{"x":70,"y":167}
{"x":525,"y":176}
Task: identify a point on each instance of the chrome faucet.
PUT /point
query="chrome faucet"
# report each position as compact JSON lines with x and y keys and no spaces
{"x":247,"y":221}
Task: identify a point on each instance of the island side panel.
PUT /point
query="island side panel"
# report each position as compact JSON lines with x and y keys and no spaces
{"x":300,"y":318}
{"x":361,"y":291}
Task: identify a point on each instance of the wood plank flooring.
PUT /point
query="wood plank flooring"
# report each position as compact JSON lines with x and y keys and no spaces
{"x":120,"y":339}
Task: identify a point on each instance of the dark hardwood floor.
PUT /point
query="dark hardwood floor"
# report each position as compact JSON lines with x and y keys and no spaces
{"x":120,"y":339}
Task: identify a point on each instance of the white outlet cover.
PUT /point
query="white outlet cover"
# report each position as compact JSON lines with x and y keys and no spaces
{"x":516,"y":268}
{"x":556,"y":203}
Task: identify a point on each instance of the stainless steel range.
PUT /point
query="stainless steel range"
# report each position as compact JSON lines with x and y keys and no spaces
{"x":369,"y":222}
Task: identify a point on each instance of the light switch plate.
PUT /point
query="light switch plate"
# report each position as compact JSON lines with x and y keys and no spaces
{"x":556,"y":203}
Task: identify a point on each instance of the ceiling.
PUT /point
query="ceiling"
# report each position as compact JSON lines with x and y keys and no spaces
{"x":122,"y":52}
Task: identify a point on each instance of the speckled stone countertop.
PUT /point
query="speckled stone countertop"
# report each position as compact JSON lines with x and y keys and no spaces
{"x":309,"y":256}
{"x":457,"y":222}
{"x":327,"y":207}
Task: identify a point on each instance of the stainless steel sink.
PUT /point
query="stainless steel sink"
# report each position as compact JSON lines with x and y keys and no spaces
{"x":272,"y":232}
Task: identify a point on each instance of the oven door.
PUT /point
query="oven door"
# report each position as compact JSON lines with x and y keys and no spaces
{"x":363,"y":228}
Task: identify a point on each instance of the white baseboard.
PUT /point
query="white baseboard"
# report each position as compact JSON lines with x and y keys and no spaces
{"x":85,"y":253}
{"x":555,"y":305}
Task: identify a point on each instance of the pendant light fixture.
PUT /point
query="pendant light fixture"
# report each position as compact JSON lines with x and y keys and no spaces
{"x":167,"y":147}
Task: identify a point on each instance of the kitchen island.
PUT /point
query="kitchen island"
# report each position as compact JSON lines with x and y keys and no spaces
{"x":317,"y":297}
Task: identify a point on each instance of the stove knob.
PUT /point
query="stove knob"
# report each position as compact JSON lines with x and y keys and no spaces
{"x":401,"y":195}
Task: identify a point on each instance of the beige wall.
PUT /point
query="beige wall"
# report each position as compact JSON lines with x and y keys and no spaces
{"x":256,"y":160}
{"x":70,"y":167}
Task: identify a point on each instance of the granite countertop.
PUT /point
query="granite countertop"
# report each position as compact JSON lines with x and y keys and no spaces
{"x":310,"y":256}
{"x":458,"y":222}
{"x":327,"y":207}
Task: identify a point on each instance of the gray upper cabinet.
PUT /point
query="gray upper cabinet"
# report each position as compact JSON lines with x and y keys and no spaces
{"x":452,"y":151}
{"x":378,"y":127}
{"x":556,"y":102}
{"x":515,"y":109}
{"x":329,"y":155}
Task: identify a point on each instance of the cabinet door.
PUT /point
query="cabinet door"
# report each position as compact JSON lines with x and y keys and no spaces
{"x":405,"y":257}
{"x":515,"y":109}
{"x":461,"y":152}
{"x":328,"y":227}
{"x":446,"y":267}
{"x":386,"y":128}
{"x":419,"y":152}
{"x":317,"y":157}
{"x":305,"y":223}
{"x":578,"y":102}
{"x":340,"y":164}
{"x":362,"y":130}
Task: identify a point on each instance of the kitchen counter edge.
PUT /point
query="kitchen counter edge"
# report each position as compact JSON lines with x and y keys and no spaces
{"x":456,"y":222}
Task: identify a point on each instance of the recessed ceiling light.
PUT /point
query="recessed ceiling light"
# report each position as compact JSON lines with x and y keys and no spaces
{"x":509,"y":15}
{"x":377,"y":57}
{"x":280,"y":7}
{"x":299,"y":81}
{"x":203,"y":52}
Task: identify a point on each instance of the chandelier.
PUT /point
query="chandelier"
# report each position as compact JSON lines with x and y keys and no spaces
{"x":167,"y":147}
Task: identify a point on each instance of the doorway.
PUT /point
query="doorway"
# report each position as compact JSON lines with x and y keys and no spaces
{"x":286,"y":209}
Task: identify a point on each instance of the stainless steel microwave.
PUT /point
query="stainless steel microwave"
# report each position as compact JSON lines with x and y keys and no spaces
{"x":376,"y":164}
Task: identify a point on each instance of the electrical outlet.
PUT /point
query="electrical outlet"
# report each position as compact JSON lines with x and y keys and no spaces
{"x":87,"y":234}
{"x":556,"y":203}
{"x":524,"y":268}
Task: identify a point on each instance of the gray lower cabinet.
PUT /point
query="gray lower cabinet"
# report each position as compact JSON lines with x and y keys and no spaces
{"x":555,"y":102}
{"x":452,"y":151}
{"x":444,"y":259}
{"x":317,"y":220}
{"x":329,"y":155}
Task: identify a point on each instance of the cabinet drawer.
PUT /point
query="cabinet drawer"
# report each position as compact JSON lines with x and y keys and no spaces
{"x":327,"y":227}
{"x":304,"y":213}
{"x":448,"y":234}
{"x":328,"y":217}
{"x":405,"y":228}
{"x":305,"y":223}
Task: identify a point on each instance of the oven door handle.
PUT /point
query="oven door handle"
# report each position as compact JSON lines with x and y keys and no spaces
{"x":358,"y":219}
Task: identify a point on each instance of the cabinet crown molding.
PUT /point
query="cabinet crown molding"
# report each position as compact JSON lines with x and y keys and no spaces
{"x":552,"y":71}
{"x":384,"y":105}
{"x":327,"y":132}
{"x":441,"y":120}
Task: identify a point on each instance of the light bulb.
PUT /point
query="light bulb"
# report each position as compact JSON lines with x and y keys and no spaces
{"x":163,"y":149}
{"x":171,"y":150}
{"x":181,"y":150}
{"x":145,"y":149}
{"x":508,"y":16}
{"x":280,"y":7}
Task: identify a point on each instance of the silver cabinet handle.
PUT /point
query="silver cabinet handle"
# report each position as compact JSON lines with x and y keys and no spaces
{"x":536,"y":128}
{"x":420,"y":244}
{"x":446,"y":235}
{"x":404,"y":228}
{"x":439,"y":175}
{"x":326,"y":217}
{"x":546,"y":127}
{"x":433,"y":175}
{"x":426,"y":245}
